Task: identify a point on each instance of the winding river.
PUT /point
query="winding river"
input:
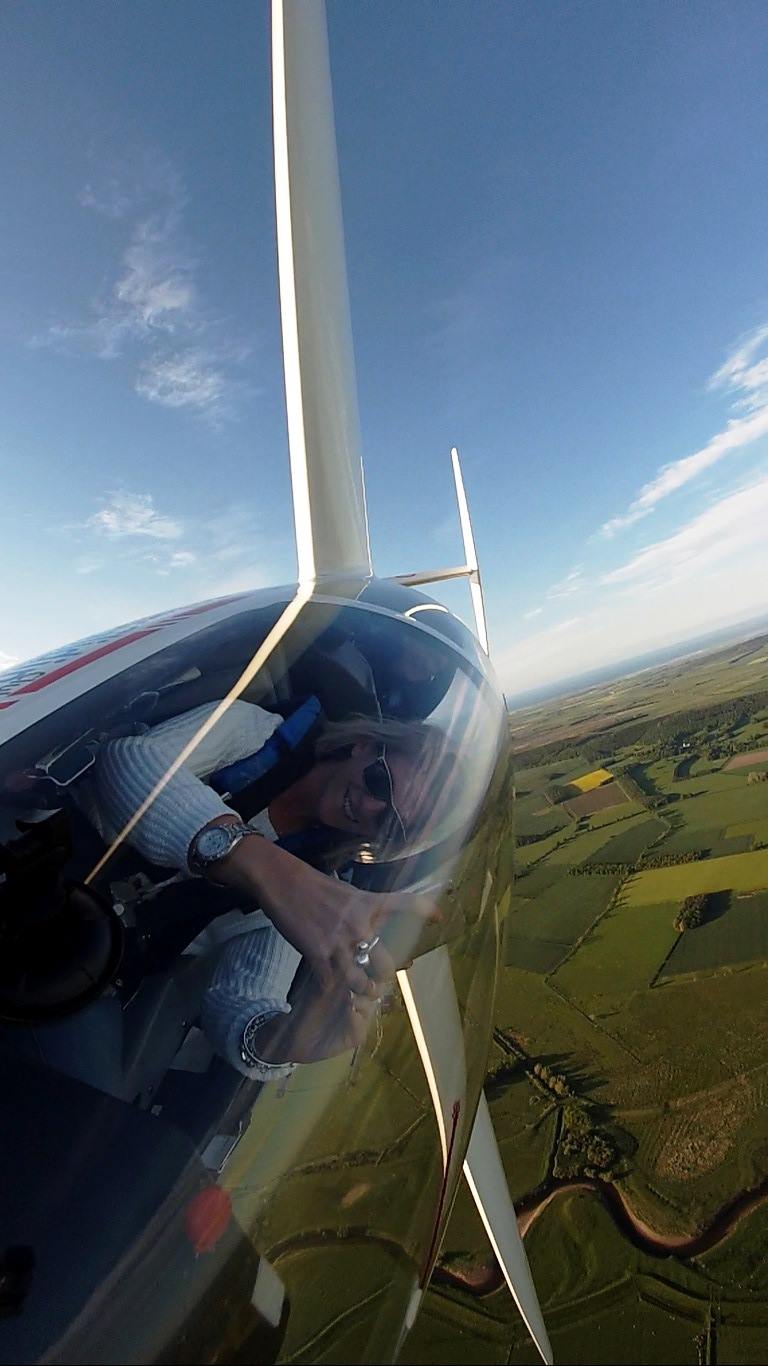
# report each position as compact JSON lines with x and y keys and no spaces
{"x":487,"y":1278}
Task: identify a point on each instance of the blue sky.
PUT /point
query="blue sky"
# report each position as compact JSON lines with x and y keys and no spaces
{"x":558,"y":260}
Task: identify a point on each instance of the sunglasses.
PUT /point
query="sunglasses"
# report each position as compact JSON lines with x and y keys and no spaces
{"x":377,"y":779}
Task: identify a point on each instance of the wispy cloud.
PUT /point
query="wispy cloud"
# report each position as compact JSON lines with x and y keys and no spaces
{"x":152,"y":313}
{"x":725,"y":530}
{"x":89,"y":564}
{"x":712,"y":571}
{"x":7,"y":661}
{"x":573,"y":582}
{"x":156,"y":289}
{"x":154,"y":292}
{"x":746,"y":375}
{"x":534,"y":612}
{"x":187,"y":379}
{"x":742,"y":372}
{"x":134,"y":514}
{"x":146,"y":539}
{"x":126,"y":186}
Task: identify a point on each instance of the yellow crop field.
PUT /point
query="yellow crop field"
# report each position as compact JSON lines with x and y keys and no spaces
{"x":589,"y":781}
{"x":735,"y":872}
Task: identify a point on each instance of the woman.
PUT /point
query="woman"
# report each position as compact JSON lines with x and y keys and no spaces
{"x":368,"y":782}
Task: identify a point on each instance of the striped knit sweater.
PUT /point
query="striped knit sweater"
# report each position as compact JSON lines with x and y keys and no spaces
{"x":257,"y":965}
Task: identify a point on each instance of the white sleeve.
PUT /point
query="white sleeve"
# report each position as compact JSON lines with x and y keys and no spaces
{"x":249,"y":987}
{"x":129,"y":770}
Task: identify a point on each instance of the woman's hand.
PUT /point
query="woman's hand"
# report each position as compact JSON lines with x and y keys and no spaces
{"x":322,"y":1023}
{"x":324,"y":918}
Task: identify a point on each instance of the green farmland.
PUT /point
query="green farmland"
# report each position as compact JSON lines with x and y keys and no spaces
{"x":739,"y":873}
{"x":652,"y":1040}
{"x":738,"y":935}
{"x":629,"y":843}
{"x":605,"y":971}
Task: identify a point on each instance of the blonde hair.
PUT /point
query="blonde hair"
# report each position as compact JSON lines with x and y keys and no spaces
{"x":417,"y":739}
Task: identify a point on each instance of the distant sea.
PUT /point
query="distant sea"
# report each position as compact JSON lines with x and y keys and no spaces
{"x":682,"y":649}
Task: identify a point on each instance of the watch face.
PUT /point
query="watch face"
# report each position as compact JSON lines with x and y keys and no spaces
{"x":213,"y":844}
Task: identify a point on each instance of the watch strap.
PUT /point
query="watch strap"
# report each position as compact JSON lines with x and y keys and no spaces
{"x":235,"y":832}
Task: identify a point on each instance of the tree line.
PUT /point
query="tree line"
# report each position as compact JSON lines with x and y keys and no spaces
{"x":639,"y":866}
{"x":522,"y":840}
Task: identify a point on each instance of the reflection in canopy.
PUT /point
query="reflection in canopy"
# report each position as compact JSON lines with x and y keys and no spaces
{"x":167,"y":1092}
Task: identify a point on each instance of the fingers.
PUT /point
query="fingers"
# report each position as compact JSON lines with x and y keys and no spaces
{"x":361,"y":1014}
{"x":383,"y":965}
{"x":364,"y":1007}
{"x":406,"y":903}
{"x":350,"y":975}
{"x":425,"y":907}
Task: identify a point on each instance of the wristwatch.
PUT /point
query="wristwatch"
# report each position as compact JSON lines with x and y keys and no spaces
{"x":214,"y":843}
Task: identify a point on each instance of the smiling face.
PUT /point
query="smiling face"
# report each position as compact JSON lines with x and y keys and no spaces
{"x":344,"y":802}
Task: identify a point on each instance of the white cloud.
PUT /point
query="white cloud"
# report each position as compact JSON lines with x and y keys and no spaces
{"x":185,"y":380}
{"x":7,"y":661}
{"x":573,"y":582}
{"x":156,"y":285}
{"x":154,"y":293}
{"x":724,"y":530}
{"x":133,"y":514}
{"x":127,"y":184}
{"x":182,"y":559}
{"x":748,"y":379}
{"x":147,"y":542}
{"x":534,"y":612}
{"x":711,"y":572}
{"x":737,"y":367}
{"x":153,"y":304}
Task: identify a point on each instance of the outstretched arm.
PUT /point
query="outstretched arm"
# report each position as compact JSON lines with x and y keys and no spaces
{"x":323,"y":917}
{"x":131,"y":769}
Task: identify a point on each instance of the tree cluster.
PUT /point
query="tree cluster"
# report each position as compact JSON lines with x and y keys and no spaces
{"x":600,"y":869}
{"x":631,"y":788}
{"x":667,"y":860}
{"x":692,"y":912}
{"x":585,"y":1148}
{"x":597,"y":869}
{"x":555,"y":1082}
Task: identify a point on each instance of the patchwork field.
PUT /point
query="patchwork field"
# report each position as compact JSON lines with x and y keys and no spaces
{"x":621,"y":955}
{"x":656,"y":1040}
{"x":737,"y":873}
{"x":756,"y":830}
{"x":613,"y":814}
{"x":739,"y":934}
{"x":564,"y":910}
{"x":588,"y":781}
{"x":629,"y":843}
{"x":754,"y":758}
{"x":596,"y":799}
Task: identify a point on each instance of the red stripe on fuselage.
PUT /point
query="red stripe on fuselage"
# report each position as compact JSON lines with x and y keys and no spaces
{"x":173,"y":619}
{"x":78,"y":663}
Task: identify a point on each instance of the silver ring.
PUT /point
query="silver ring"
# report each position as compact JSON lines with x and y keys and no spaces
{"x":363,"y":951}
